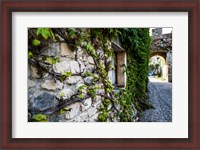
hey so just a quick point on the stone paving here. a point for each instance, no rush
(160, 96)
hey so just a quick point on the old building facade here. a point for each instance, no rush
(162, 46)
(49, 96)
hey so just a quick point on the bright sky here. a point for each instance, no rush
(164, 30)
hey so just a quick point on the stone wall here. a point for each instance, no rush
(162, 45)
(169, 63)
(46, 94)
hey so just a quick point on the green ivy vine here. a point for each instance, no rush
(137, 44)
(116, 106)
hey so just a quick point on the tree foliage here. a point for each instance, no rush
(137, 44)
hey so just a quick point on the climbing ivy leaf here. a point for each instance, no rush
(66, 109)
(112, 67)
(106, 102)
(88, 74)
(62, 94)
(36, 42)
(80, 95)
(82, 87)
(89, 47)
(72, 32)
(62, 111)
(39, 118)
(51, 60)
(30, 54)
(58, 60)
(67, 74)
(45, 33)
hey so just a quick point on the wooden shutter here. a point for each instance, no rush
(119, 69)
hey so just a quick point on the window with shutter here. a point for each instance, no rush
(118, 75)
(120, 70)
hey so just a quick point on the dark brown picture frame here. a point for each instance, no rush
(9, 6)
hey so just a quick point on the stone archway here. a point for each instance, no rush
(161, 45)
(160, 60)
(159, 53)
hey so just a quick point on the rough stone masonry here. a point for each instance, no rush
(46, 93)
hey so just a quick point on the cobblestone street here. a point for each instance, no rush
(160, 96)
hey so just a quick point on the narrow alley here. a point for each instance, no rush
(160, 96)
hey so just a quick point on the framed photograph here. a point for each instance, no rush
(100, 75)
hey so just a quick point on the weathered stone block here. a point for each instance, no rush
(65, 93)
(61, 67)
(74, 88)
(94, 118)
(82, 66)
(66, 51)
(86, 104)
(74, 66)
(97, 104)
(92, 111)
(66, 66)
(31, 93)
(90, 60)
(80, 83)
(84, 116)
(73, 79)
(100, 91)
(31, 83)
(52, 50)
(66, 59)
(52, 85)
(74, 111)
(76, 119)
(81, 54)
(34, 72)
(42, 101)
(89, 67)
(88, 79)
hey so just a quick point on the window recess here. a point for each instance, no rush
(118, 75)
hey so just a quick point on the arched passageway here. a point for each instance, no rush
(160, 78)
(158, 66)
(161, 54)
